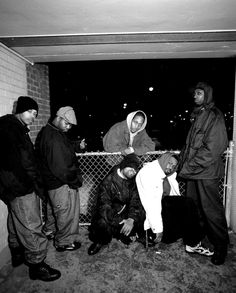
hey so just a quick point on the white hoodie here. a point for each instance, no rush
(149, 182)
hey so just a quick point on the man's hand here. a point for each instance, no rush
(128, 225)
(83, 144)
(129, 150)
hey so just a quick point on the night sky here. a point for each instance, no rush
(104, 92)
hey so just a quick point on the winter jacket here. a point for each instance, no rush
(58, 161)
(201, 158)
(117, 139)
(19, 173)
(118, 197)
(149, 182)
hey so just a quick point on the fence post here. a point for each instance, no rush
(228, 182)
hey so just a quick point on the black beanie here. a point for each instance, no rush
(131, 161)
(25, 103)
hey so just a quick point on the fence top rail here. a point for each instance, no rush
(119, 153)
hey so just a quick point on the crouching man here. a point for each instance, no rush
(118, 212)
(169, 216)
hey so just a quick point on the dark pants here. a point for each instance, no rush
(180, 220)
(205, 194)
(102, 231)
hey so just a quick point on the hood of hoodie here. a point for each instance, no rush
(163, 161)
(130, 118)
(208, 91)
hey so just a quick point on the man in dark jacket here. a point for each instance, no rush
(21, 189)
(62, 178)
(202, 166)
(118, 211)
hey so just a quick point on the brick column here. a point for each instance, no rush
(38, 89)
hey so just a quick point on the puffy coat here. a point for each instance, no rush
(19, 174)
(201, 158)
(118, 199)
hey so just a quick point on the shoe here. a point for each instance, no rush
(94, 248)
(218, 258)
(199, 249)
(43, 272)
(17, 256)
(69, 247)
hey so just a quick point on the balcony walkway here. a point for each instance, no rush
(118, 269)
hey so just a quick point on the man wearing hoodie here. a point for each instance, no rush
(202, 166)
(169, 216)
(129, 136)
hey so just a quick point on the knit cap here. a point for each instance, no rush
(68, 114)
(131, 161)
(25, 103)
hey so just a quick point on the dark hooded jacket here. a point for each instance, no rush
(118, 198)
(19, 173)
(201, 158)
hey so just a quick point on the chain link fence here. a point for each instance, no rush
(96, 166)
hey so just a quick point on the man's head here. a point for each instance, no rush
(202, 94)
(65, 118)
(168, 162)
(137, 122)
(26, 110)
(129, 166)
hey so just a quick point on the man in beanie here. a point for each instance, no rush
(21, 189)
(62, 178)
(169, 216)
(118, 212)
(202, 167)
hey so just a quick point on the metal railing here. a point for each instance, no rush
(96, 165)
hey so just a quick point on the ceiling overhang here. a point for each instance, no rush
(124, 46)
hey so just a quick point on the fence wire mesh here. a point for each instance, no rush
(96, 166)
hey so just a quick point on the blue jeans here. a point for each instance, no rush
(65, 203)
(25, 227)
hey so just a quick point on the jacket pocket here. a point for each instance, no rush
(197, 142)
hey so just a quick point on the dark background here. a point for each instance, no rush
(98, 90)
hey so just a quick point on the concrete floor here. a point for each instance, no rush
(120, 269)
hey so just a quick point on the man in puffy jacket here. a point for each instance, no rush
(202, 167)
(21, 189)
(129, 136)
(118, 212)
(62, 178)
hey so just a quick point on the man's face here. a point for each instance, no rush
(129, 172)
(199, 96)
(63, 125)
(171, 165)
(28, 116)
(136, 123)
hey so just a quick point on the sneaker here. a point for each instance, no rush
(199, 249)
(69, 247)
(43, 272)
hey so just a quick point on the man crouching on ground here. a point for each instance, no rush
(118, 212)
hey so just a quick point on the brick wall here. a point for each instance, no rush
(12, 85)
(38, 89)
